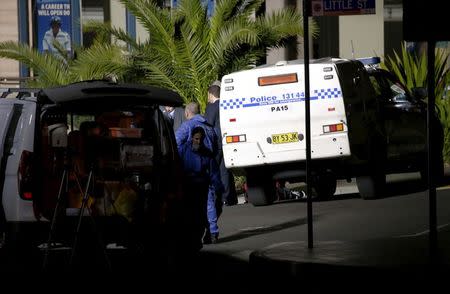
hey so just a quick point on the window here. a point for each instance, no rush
(397, 91)
(75, 120)
(376, 86)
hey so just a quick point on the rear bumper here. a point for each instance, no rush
(241, 155)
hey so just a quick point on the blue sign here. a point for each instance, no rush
(54, 21)
(342, 7)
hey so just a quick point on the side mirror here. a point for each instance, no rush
(419, 93)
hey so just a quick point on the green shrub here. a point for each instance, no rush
(239, 182)
(412, 71)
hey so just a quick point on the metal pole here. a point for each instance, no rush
(431, 181)
(130, 25)
(76, 23)
(307, 122)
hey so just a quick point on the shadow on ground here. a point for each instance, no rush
(264, 230)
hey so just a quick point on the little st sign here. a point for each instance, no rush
(342, 7)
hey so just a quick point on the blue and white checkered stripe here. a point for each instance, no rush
(232, 103)
(327, 93)
(318, 94)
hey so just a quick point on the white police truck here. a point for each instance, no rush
(364, 124)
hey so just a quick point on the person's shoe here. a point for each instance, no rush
(229, 203)
(214, 238)
(298, 195)
(207, 238)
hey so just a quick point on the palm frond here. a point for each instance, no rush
(247, 8)
(155, 20)
(50, 70)
(99, 61)
(232, 36)
(285, 23)
(104, 32)
(243, 61)
(158, 75)
(193, 14)
(227, 11)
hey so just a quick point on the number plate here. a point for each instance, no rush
(284, 138)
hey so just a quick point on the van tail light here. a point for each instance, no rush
(25, 176)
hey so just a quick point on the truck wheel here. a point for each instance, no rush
(371, 187)
(438, 168)
(260, 192)
(325, 185)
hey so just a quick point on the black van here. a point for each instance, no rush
(94, 161)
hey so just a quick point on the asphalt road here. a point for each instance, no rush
(345, 217)
(402, 213)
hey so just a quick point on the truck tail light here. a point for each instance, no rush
(25, 175)
(333, 128)
(236, 139)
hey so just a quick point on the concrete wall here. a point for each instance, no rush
(9, 30)
(118, 20)
(118, 15)
(282, 54)
(141, 33)
(365, 31)
(277, 54)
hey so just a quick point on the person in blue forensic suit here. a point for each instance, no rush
(214, 206)
(200, 172)
(194, 119)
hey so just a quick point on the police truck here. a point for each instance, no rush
(364, 124)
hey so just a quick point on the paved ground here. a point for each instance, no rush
(393, 261)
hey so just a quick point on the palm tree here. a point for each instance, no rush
(186, 51)
(97, 62)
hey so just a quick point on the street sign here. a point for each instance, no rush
(342, 7)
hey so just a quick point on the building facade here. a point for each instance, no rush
(9, 30)
(350, 36)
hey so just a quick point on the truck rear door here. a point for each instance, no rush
(262, 115)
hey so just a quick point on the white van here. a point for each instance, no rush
(104, 142)
(358, 114)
